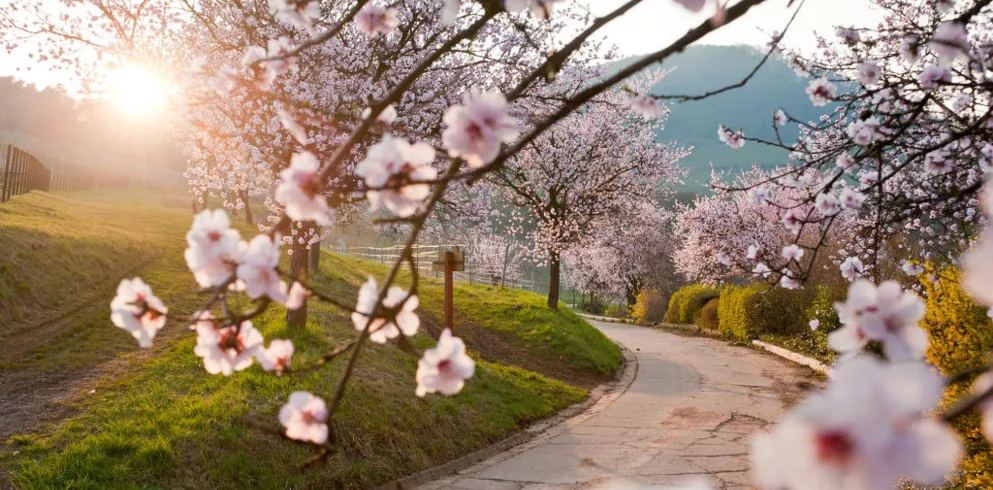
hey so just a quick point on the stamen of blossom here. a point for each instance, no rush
(444, 368)
(138, 311)
(299, 191)
(305, 417)
(478, 127)
(227, 349)
(393, 169)
(380, 330)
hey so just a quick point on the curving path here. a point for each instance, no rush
(687, 415)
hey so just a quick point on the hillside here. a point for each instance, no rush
(125, 417)
(703, 68)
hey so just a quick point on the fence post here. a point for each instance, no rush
(6, 175)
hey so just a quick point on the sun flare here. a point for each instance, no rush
(136, 90)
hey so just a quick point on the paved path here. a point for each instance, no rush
(688, 414)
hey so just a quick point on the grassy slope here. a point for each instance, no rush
(160, 420)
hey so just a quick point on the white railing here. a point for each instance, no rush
(424, 257)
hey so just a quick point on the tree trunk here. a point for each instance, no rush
(298, 268)
(314, 261)
(632, 295)
(249, 219)
(553, 281)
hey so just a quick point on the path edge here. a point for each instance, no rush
(795, 357)
(620, 384)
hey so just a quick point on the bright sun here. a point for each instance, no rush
(136, 90)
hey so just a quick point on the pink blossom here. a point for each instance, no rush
(692, 5)
(814, 324)
(228, 349)
(257, 271)
(848, 35)
(387, 116)
(761, 270)
(933, 75)
(138, 311)
(541, 9)
(444, 368)
(299, 14)
(478, 127)
(753, 252)
(393, 171)
(821, 91)
(885, 313)
(277, 356)
(305, 417)
(374, 20)
(380, 330)
(646, 106)
(851, 199)
(791, 221)
(910, 48)
(731, 138)
(792, 252)
(949, 42)
(827, 204)
(300, 191)
(297, 295)
(845, 161)
(851, 268)
(910, 268)
(869, 73)
(293, 127)
(781, 118)
(864, 132)
(212, 248)
(788, 282)
(866, 431)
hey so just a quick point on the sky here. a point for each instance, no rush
(656, 23)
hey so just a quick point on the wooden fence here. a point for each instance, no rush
(424, 255)
(22, 172)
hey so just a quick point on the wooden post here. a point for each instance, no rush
(6, 175)
(449, 292)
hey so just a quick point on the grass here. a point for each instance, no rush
(810, 344)
(158, 420)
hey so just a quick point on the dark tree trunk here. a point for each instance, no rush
(298, 268)
(553, 281)
(632, 296)
(314, 261)
(249, 219)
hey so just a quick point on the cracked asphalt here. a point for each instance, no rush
(687, 415)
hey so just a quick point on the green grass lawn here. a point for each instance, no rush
(157, 419)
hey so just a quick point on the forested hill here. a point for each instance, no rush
(703, 68)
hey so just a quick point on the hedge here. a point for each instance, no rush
(649, 308)
(708, 317)
(687, 301)
(960, 333)
(745, 312)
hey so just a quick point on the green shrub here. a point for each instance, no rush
(688, 301)
(649, 308)
(960, 333)
(745, 312)
(707, 317)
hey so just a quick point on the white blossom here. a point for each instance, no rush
(827, 204)
(932, 75)
(885, 313)
(851, 199)
(731, 138)
(212, 248)
(299, 14)
(949, 42)
(869, 73)
(381, 330)
(814, 324)
(305, 417)
(227, 349)
(792, 252)
(277, 356)
(138, 311)
(257, 271)
(393, 171)
(864, 132)
(300, 191)
(910, 268)
(387, 116)
(445, 367)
